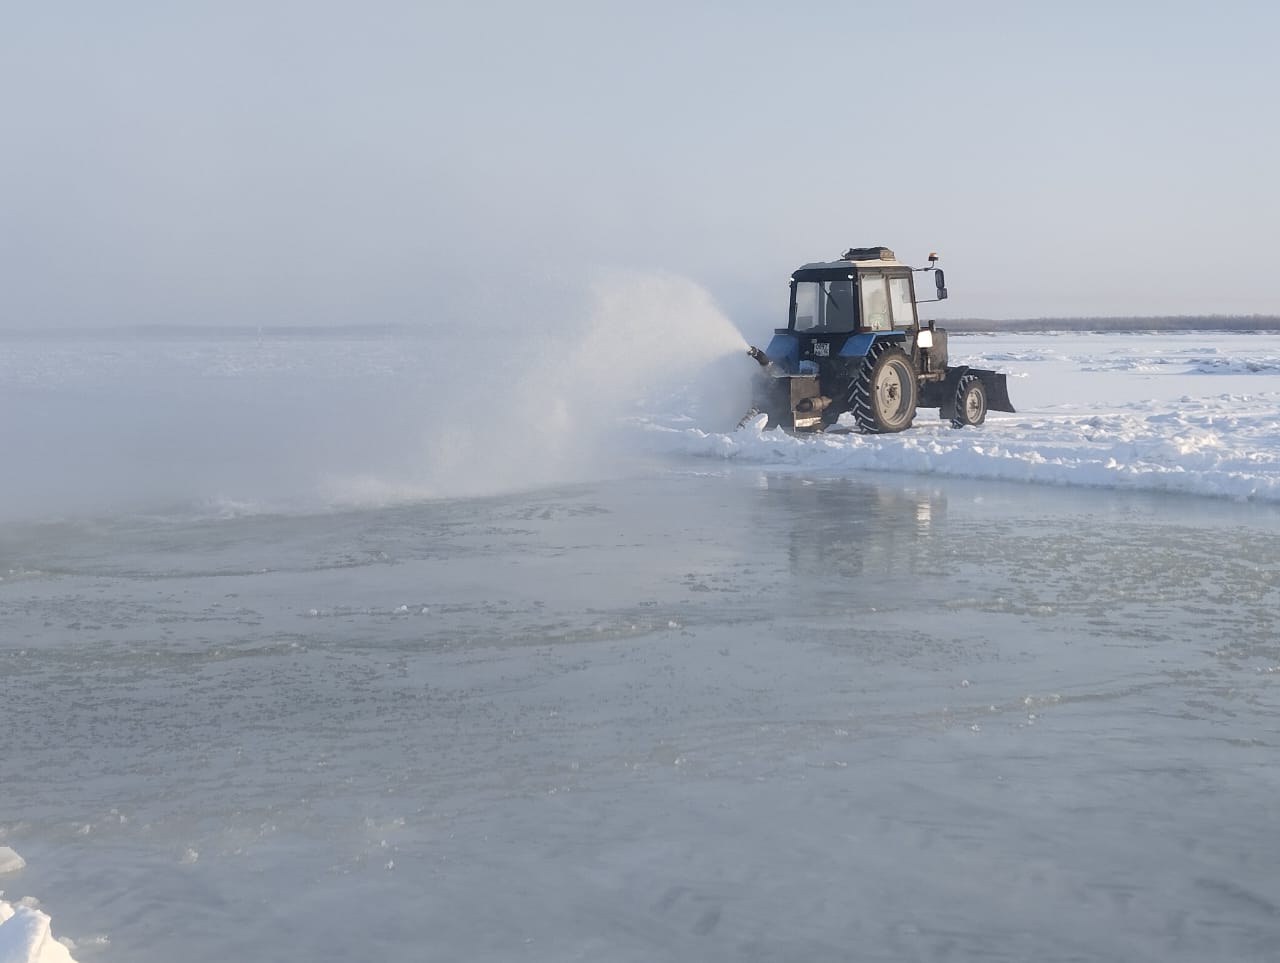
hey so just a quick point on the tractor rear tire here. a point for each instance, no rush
(884, 393)
(971, 402)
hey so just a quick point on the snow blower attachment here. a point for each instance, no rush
(853, 343)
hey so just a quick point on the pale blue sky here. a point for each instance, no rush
(313, 162)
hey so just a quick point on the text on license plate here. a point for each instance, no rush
(821, 349)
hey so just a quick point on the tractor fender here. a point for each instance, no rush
(860, 344)
(784, 351)
(943, 393)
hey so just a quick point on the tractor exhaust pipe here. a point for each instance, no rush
(815, 405)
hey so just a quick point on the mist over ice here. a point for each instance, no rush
(526, 390)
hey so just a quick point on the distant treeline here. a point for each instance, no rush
(1181, 322)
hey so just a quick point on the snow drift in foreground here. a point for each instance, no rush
(25, 933)
(1103, 411)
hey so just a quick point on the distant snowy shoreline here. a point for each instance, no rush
(1181, 323)
(184, 332)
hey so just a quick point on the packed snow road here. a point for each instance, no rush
(1167, 411)
(735, 698)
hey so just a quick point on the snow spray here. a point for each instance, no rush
(547, 404)
(537, 385)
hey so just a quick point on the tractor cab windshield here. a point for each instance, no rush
(824, 306)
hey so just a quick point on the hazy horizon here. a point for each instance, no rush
(963, 324)
(397, 163)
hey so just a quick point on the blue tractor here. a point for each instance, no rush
(854, 343)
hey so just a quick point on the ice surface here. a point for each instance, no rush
(722, 696)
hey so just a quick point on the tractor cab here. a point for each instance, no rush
(866, 290)
(838, 308)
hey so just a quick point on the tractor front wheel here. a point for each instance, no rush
(883, 397)
(971, 402)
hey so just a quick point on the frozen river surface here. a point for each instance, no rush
(306, 654)
(695, 715)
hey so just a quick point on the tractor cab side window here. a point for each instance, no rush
(875, 303)
(806, 316)
(904, 309)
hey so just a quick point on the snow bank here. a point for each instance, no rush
(1088, 418)
(26, 935)
(1199, 452)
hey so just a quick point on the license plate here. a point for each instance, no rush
(821, 349)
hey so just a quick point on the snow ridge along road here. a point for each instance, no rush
(1194, 413)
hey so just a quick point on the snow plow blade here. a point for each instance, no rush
(997, 386)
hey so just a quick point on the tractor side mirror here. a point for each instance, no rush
(940, 280)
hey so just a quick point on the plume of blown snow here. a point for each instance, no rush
(544, 405)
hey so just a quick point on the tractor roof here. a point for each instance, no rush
(838, 265)
(857, 257)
